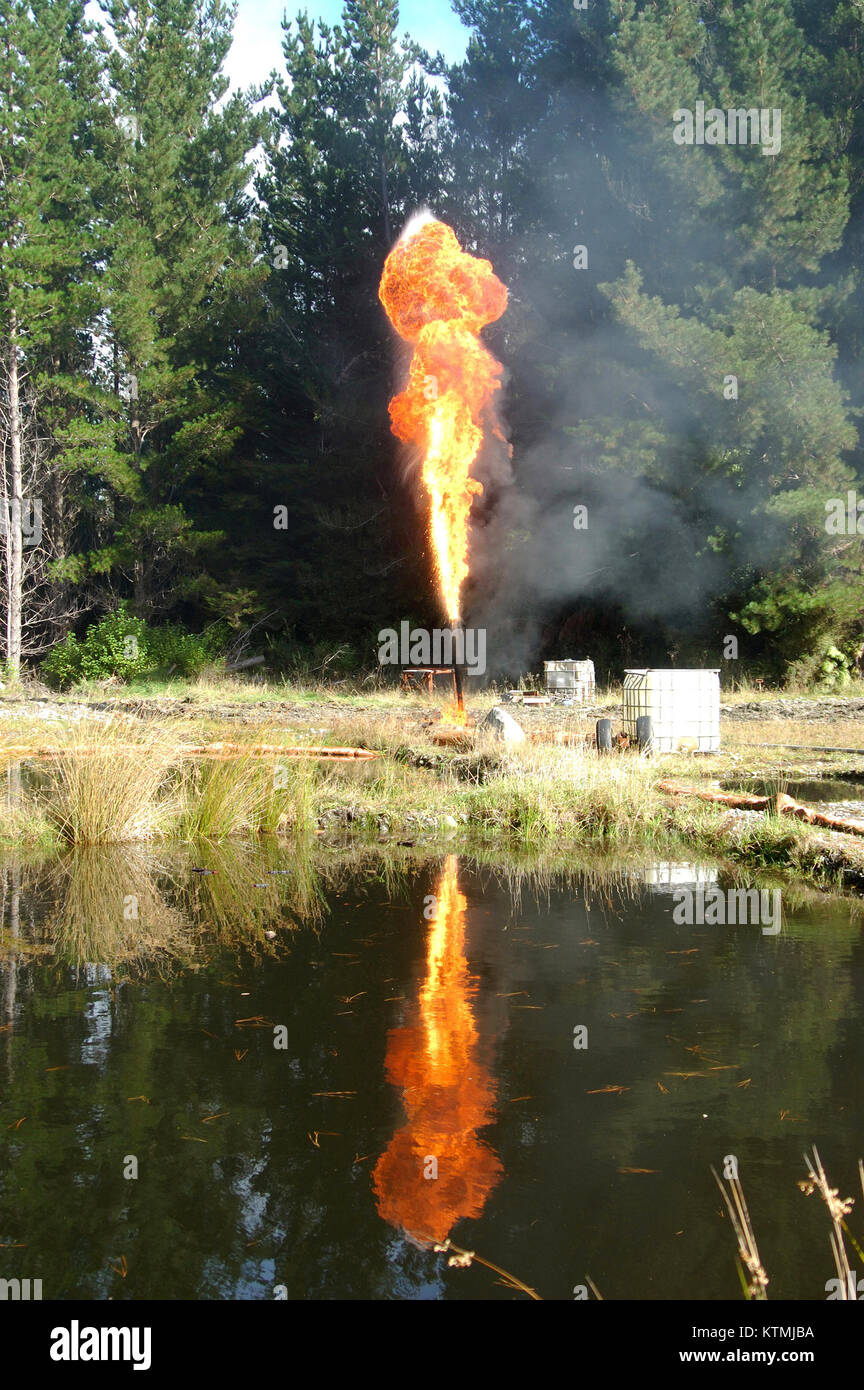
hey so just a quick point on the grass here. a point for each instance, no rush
(109, 794)
(375, 688)
(128, 781)
(26, 826)
(138, 785)
(780, 734)
(210, 687)
(247, 794)
(546, 791)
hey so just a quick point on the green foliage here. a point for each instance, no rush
(112, 647)
(354, 151)
(123, 646)
(199, 360)
(835, 669)
(162, 420)
(171, 649)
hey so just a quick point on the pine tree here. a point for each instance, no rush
(354, 153)
(694, 265)
(164, 415)
(760, 460)
(49, 82)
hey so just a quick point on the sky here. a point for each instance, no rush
(257, 46)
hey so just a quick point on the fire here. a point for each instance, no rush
(456, 715)
(447, 1093)
(439, 298)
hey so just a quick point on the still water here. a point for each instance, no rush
(280, 1078)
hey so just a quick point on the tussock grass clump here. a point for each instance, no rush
(541, 791)
(219, 797)
(288, 795)
(108, 794)
(245, 793)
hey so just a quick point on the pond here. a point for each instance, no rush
(251, 1074)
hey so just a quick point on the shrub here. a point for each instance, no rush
(834, 670)
(115, 646)
(187, 652)
(124, 646)
(827, 668)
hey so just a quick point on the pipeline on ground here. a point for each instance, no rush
(781, 803)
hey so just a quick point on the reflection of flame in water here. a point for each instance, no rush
(446, 1092)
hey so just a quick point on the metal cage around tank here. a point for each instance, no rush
(570, 679)
(683, 706)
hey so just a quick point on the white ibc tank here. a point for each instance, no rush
(575, 677)
(683, 706)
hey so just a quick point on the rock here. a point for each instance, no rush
(500, 723)
(450, 822)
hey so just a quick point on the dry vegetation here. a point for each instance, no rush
(751, 1270)
(130, 779)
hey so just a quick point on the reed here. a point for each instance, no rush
(751, 1271)
(838, 1209)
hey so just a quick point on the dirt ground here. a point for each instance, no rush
(771, 736)
(410, 709)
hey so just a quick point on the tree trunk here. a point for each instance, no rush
(13, 515)
(382, 163)
(385, 201)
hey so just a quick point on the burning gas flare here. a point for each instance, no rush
(447, 1092)
(439, 298)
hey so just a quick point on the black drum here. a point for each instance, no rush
(644, 733)
(604, 735)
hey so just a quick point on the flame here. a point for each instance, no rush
(447, 1093)
(456, 715)
(439, 298)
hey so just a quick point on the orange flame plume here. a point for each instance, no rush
(438, 298)
(447, 1093)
